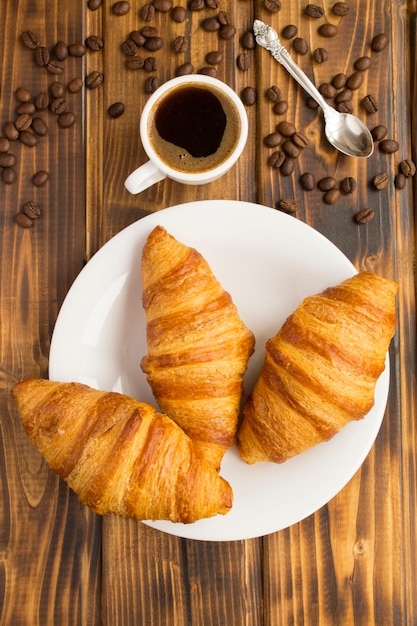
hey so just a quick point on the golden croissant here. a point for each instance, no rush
(320, 369)
(119, 455)
(198, 347)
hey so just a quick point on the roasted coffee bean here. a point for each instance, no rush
(121, 8)
(344, 107)
(41, 56)
(313, 10)
(152, 44)
(135, 63)
(137, 37)
(28, 138)
(22, 94)
(328, 30)
(300, 45)
(320, 55)
(288, 166)
(180, 44)
(307, 181)
(58, 106)
(29, 39)
(243, 61)
(345, 95)
(26, 107)
(299, 140)
(408, 168)
(40, 178)
(61, 51)
(327, 90)
(23, 220)
(8, 175)
(355, 80)
(150, 64)
(151, 84)
(116, 109)
(247, 40)
(379, 132)
(94, 79)
(55, 67)
(400, 180)
(184, 69)
(379, 42)
(147, 12)
(75, 85)
(276, 159)
(223, 18)
(128, 47)
(227, 31)
(211, 24)
(369, 104)
(248, 96)
(208, 70)
(42, 101)
(93, 5)
(212, 4)
(340, 8)
(39, 127)
(178, 14)
(32, 210)
(148, 31)
(66, 119)
(381, 181)
(77, 49)
(331, 196)
(327, 183)
(7, 159)
(273, 6)
(290, 149)
(56, 89)
(214, 57)
(362, 64)
(10, 131)
(95, 43)
(280, 107)
(23, 121)
(339, 80)
(364, 215)
(197, 5)
(274, 93)
(162, 6)
(389, 146)
(288, 205)
(286, 129)
(348, 185)
(273, 140)
(4, 144)
(289, 31)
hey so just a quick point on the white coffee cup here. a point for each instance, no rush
(182, 166)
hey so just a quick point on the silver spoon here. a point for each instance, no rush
(344, 131)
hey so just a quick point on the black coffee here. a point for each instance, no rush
(194, 128)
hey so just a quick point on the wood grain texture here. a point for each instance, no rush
(353, 562)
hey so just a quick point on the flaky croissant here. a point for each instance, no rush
(119, 455)
(198, 347)
(320, 369)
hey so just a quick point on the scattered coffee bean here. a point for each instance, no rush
(58, 106)
(212, 4)
(23, 220)
(290, 149)
(286, 129)
(22, 94)
(77, 49)
(94, 79)
(364, 215)
(379, 42)
(29, 39)
(128, 47)
(327, 183)
(55, 67)
(41, 56)
(208, 70)
(180, 44)
(248, 96)
(121, 8)
(135, 63)
(4, 144)
(147, 12)
(299, 140)
(400, 180)
(116, 109)
(381, 181)
(227, 31)
(184, 69)
(331, 196)
(152, 44)
(340, 8)
(32, 210)
(8, 175)
(197, 5)
(137, 37)
(327, 90)
(75, 85)
(93, 5)
(10, 131)
(273, 140)
(162, 6)
(40, 178)
(389, 146)
(56, 89)
(345, 95)
(178, 14)
(274, 93)
(151, 84)
(320, 55)
(362, 64)
(23, 121)
(281, 107)
(307, 181)
(211, 24)
(355, 80)
(288, 205)
(39, 126)
(148, 31)
(42, 101)
(7, 159)
(369, 104)
(339, 80)
(66, 119)
(61, 51)
(214, 57)
(247, 40)
(95, 43)
(344, 107)
(289, 31)
(328, 30)
(243, 61)
(273, 6)
(379, 132)
(150, 64)
(300, 45)
(26, 107)
(28, 138)
(287, 167)
(276, 159)
(408, 168)
(348, 185)
(313, 10)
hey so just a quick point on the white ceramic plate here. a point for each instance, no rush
(269, 262)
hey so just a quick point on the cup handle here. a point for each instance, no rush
(143, 177)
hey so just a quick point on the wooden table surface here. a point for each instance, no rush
(354, 561)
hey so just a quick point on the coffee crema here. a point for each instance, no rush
(194, 128)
